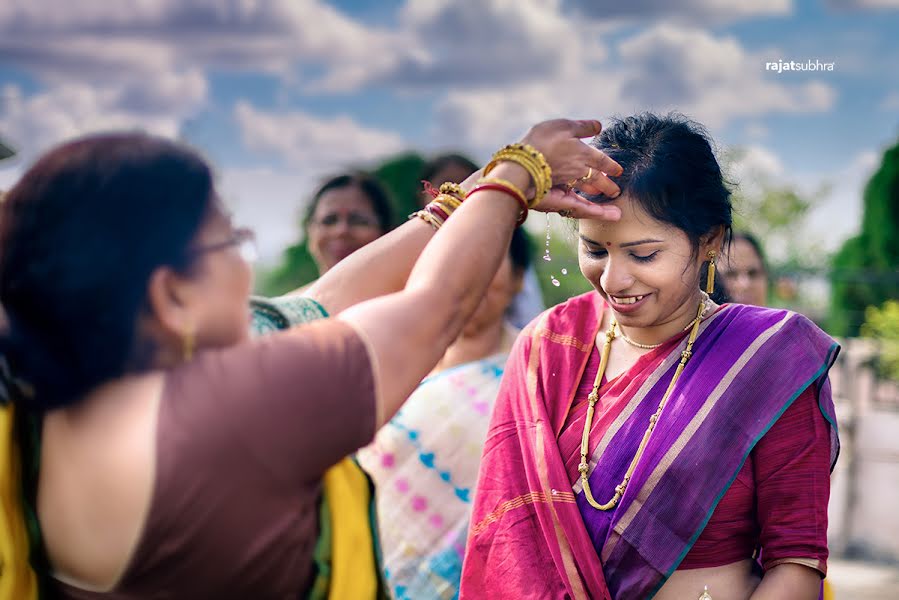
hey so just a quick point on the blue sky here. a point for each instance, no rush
(279, 92)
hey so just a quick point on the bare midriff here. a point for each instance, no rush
(734, 581)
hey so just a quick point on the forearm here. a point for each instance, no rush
(381, 267)
(445, 286)
(462, 272)
(377, 269)
(789, 581)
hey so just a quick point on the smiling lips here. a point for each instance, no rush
(627, 300)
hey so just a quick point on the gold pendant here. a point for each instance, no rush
(705, 594)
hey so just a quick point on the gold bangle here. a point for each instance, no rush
(428, 217)
(447, 201)
(530, 158)
(452, 189)
(531, 169)
(514, 188)
(533, 162)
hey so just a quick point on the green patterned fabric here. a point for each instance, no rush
(273, 314)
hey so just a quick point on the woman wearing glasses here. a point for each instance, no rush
(178, 457)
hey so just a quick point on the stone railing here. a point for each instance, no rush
(864, 498)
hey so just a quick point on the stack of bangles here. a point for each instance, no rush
(450, 195)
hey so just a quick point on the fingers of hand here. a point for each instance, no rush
(600, 183)
(584, 209)
(585, 128)
(599, 160)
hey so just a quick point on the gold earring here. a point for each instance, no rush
(188, 342)
(710, 281)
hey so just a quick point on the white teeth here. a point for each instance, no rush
(630, 300)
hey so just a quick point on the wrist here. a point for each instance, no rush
(513, 173)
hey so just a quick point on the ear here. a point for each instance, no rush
(168, 295)
(712, 241)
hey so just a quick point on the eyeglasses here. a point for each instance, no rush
(243, 238)
(353, 220)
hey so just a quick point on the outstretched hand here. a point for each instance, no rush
(573, 162)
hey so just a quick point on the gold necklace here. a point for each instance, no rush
(593, 398)
(706, 306)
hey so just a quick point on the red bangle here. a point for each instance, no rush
(498, 187)
(434, 207)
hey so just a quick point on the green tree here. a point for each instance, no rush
(400, 175)
(774, 211)
(882, 324)
(866, 269)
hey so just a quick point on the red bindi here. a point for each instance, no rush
(608, 244)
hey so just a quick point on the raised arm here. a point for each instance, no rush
(383, 266)
(409, 331)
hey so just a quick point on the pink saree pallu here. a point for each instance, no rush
(533, 534)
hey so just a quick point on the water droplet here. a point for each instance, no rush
(564, 271)
(555, 281)
(546, 255)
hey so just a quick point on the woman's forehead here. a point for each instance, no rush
(634, 221)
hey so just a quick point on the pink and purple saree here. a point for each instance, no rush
(532, 533)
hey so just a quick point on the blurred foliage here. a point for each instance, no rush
(882, 324)
(866, 268)
(295, 270)
(399, 174)
(774, 212)
(563, 255)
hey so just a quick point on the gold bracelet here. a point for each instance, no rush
(530, 158)
(428, 217)
(514, 188)
(533, 162)
(447, 201)
(523, 160)
(452, 189)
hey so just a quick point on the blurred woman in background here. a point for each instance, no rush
(744, 271)
(347, 212)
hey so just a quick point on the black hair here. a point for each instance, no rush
(370, 186)
(670, 169)
(439, 163)
(80, 235)
(520, 250)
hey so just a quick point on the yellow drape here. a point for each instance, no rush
(353, 566)
(17, 579)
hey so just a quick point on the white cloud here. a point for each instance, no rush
(10, 171)
(270, 201)
(110, 38)
(757, 130)
(863, 4)
(443, 43)
(705, 11)
(310, 142)
(36, 122)
(751, 165)
(710, 78)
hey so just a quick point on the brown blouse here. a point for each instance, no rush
(243, 438)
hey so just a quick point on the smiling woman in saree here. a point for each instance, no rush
(647, 442)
